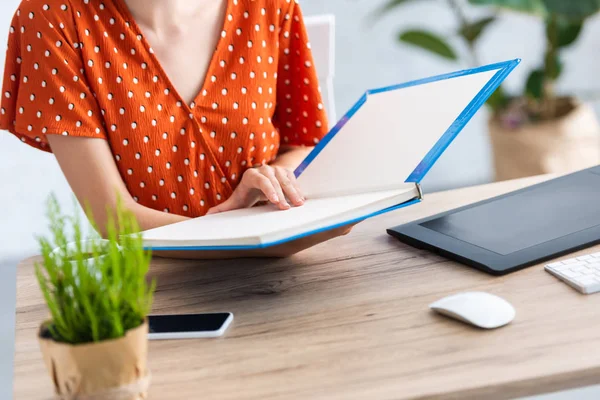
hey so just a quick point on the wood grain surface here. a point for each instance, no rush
(349, 319)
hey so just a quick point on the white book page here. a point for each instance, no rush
(381, 145)
(248, 226)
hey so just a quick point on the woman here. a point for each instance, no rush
(179, 107)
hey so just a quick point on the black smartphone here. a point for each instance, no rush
(187, 326)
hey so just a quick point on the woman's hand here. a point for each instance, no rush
(264, 183)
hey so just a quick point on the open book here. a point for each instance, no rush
(371, 162)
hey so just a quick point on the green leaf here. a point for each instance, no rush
(498, 100)
(535, 84)
(574, 9)
(526, 6)
(428, 41)
(473, 30)
(567, 31)
(553, 65)
(389, 6)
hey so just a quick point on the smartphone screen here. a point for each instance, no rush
(188, 325)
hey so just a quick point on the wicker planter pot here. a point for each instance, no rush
(567, 144)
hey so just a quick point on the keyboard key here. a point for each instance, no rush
(561, 268)
(571, 261)
(584, 258)
(570, 274)
(595, 255)
(555, 264)
(580, 268)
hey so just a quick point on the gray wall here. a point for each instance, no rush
(367, 57)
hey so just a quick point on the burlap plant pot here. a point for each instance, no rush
(113, 369)
(564, 145)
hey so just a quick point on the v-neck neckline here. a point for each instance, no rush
(124, 8)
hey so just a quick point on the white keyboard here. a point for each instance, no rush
(582, 273)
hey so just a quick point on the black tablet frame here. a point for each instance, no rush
(419, 236)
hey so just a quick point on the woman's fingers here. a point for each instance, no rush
(292, 178)
(269, 173)
(289, 186)
(244, 195)
(258, 179)
(232, 203)
(276, 184)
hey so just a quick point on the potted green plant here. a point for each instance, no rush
(95, 343)
(539, 130)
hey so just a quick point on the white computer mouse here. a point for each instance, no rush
(480, 309)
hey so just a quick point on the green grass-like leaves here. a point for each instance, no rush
(98, 299)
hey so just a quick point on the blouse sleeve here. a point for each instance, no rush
(44, 89)
(299, 115)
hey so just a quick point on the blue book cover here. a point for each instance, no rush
(370, 163)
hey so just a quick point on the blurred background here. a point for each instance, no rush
(369, 54)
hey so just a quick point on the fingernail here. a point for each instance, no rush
(274, 198)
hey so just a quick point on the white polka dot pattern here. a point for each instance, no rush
(83, 68)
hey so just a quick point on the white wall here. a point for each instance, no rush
(367, 57)
(27, 176)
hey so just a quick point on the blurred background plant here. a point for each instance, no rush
(564, 21)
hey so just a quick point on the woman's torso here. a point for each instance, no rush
(185, 157)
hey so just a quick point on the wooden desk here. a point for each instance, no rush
(349, 319)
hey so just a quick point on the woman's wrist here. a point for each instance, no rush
(149, 218)
(291, 158)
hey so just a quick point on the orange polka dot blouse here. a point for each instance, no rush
(83, 68)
